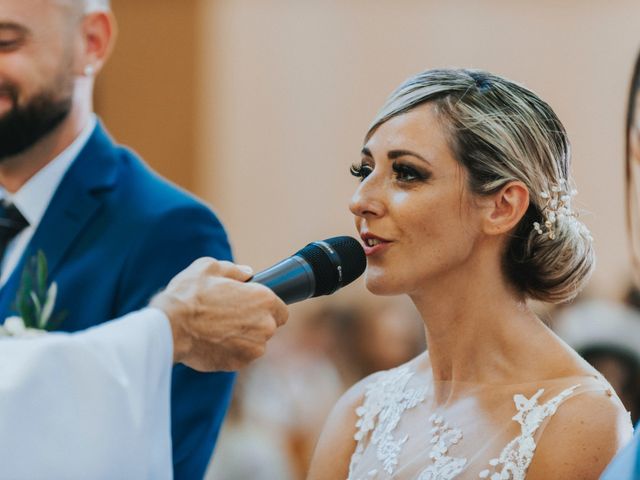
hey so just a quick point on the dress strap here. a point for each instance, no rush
(515, 458)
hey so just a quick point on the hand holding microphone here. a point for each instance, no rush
(218, 322)
(221, 317)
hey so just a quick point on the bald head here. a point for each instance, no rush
(91, 5)
(86, 6)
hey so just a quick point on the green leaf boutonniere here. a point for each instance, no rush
(36, 298)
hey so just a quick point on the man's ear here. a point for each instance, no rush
(98, 32)
(506, 208)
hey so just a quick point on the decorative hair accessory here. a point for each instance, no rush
(557, 208)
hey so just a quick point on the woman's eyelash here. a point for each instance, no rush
(10, 43)
(360, 170)
(405, 173)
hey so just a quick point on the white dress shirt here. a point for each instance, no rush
(34, 196)
(88, 405)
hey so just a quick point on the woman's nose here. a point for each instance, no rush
(367, 200)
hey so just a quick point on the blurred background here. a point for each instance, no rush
(259, 107)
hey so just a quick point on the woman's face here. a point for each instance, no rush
(417, 220)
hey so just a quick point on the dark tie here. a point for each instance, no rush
(11, 224)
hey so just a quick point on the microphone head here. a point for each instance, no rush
(335, 262)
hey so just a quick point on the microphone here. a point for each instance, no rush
(320, 268)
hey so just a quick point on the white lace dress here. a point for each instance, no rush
(474, 431)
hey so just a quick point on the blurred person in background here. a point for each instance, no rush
(241, 433)
(112, 231)
(379, 335)
(626, 466)
(292, 390)
(607, 335)
(465, 205)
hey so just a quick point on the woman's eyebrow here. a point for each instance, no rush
(366, 152)
(393, 154)
(13, 27)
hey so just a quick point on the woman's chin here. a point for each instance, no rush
(380, 284)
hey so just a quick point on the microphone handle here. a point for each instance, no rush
(292, 279)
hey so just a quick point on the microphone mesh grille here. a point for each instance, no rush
(352, 260)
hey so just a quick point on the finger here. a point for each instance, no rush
(207, 265)
(276, 307)
(269, 328)
(230, 270)
(280, 312)
(246, 351)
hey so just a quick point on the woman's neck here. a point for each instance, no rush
(476, 327)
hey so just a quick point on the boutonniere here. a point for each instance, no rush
(35, 302)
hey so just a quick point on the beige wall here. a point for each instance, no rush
(259, 106)
(146, 93)
(288, 88)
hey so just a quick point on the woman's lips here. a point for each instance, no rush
(380, 247)
(374, 245)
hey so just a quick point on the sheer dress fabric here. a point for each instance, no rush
(472, 431)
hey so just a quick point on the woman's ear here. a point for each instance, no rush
(506, 208)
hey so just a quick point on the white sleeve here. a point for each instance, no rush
(94, 404)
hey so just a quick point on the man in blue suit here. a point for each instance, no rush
(112, 231)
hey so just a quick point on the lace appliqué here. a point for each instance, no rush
(516, 457)
(385, 401)
(444, 467)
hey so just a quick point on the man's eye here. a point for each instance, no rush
(361, 170)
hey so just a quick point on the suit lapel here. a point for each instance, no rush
(74, 203)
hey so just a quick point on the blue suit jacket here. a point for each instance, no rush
(114, 234)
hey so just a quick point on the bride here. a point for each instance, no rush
(465, 204)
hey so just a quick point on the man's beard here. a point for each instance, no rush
(23, 126)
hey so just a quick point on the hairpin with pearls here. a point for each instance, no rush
(557, 207)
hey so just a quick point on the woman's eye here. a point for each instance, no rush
(9, 44)
(361, 170)
(406, 173)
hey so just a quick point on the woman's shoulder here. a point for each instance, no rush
(584, 433)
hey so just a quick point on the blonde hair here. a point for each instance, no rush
(500, 132)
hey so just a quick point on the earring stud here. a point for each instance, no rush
(89, 70)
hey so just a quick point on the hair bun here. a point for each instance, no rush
(554, 269)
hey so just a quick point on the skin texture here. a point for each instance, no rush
(45, 46)
(218, 322)
(445, 253)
